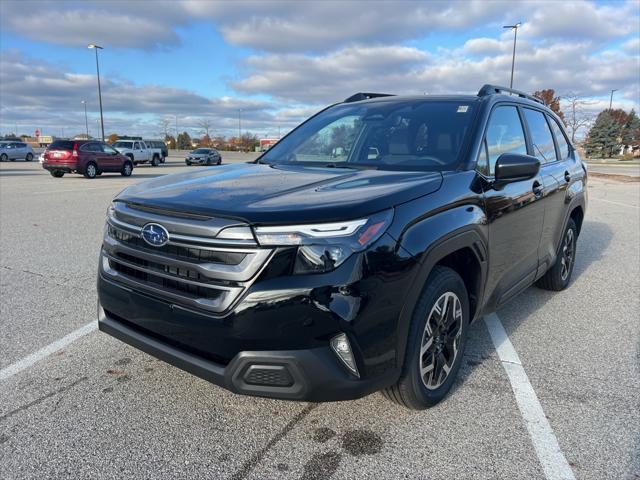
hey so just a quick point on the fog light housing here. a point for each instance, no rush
(342, 348)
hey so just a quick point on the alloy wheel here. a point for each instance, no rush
(91, 171)
(567, 254)
(441, 340)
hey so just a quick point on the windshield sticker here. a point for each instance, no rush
(463, 108)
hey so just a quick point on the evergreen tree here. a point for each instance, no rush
(631, 130)
(184, 141)
(603, 137)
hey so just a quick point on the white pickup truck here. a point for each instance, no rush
(139, 152)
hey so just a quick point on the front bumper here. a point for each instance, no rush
(311, 375)
(200, 160)
(281, 323)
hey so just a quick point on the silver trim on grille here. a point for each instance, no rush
(241, 272)
(193, 269)
(183, 240)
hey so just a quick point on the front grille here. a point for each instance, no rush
(177, 252)
(175, 286)
(197, 271)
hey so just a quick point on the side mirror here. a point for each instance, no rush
(514, 167)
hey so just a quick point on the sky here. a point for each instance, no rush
(274, 63)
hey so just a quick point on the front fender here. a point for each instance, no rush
(432, 239)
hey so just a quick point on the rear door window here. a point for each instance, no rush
(541, 138)
(504, 135)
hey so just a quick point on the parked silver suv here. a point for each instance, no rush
(12, 150)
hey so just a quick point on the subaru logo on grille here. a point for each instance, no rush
(155, 235)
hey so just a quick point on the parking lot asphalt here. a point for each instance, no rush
(98, 408)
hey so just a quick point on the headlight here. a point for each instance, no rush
(324, 246)
(111, 210)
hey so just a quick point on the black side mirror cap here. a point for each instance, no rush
(515, 167)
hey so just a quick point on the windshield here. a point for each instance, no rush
(122, 144)
(201, 150)
(402, 135)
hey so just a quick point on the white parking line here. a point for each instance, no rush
(35, 357)
(554, 465)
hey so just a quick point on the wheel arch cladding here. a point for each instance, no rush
(464, 252)
(577, 215)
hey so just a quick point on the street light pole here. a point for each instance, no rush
(86, 121)
(515, 38)
(239, 126)
(96, 48)
(611, 98)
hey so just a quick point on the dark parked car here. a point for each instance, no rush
(353, 255)
(86, 157)
(204, 156)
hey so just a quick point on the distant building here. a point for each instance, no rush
(40, 141)
(267, 143)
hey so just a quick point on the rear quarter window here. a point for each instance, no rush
(563, 146)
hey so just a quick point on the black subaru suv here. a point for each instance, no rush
(353, 255)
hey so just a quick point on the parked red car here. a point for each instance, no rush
(87, 157)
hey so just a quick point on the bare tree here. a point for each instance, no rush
(576, 115)
(205, 125)
(165, 127)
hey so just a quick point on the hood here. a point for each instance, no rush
(263, 194)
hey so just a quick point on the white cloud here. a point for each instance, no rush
(331, 77)
(308, 54)
(285, 26)
(41, 94)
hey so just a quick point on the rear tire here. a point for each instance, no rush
(4, 157)
(127, 169)
(558, 277)
(436, 341)
(57, 174)
(188, 164)
(29, 157)
(155, 161)
(91, 170)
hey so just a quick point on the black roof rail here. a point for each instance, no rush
(494, 89)
(356, 97)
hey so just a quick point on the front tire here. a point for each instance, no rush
(435, 346)
(127, 169)
(29, 157)
(4, 157)
(558, 277)
(91, 170)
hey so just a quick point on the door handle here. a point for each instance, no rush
(537, 188)
(567, 176)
